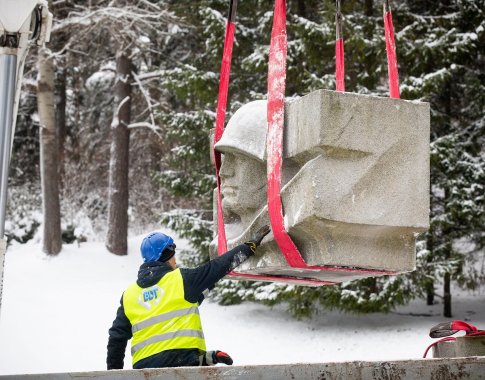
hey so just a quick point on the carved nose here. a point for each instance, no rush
(227, 168)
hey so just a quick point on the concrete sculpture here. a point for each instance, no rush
(355, 184)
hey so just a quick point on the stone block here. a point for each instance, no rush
(462, 346)
(470, 346)
(355, 188)
(444, 349)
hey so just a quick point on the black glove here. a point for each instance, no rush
(258, 236)
(215, 357)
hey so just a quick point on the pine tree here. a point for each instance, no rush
(429, 70)
(86, 37)
(444, 63)
(193, 81)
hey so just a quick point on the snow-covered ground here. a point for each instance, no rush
(56, 313)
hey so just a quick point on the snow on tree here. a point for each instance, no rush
(442, 64)
(173, 101)
(435, 47)
(126, 38)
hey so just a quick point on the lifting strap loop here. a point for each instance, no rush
(274, 139)
(274, 144)
(391, 52)
(276, 104)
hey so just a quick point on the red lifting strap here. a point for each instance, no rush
(391, 53)
(274, 139)
(461, 325)
(221, 117)
(339, 52)
(390, 49)
(274, 144)
(447, 339)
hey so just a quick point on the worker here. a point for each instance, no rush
(160, 311)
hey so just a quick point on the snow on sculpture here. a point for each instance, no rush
(355, 184)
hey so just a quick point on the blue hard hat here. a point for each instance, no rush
(153, 245)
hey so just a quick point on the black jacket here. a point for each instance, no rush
(196, 281)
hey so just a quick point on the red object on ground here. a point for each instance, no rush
(391, 55)
(451, 328)
(461, 325)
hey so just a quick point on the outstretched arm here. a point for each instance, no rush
(204, 277)
(198, 279)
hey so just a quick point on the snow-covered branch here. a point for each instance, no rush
(146, 96)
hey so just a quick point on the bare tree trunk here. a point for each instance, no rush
(430, 280)
(116, 241)
(302, 8)
(369, 8)
(447, 256)
(49, 155)
(447, 296)
(61, 119)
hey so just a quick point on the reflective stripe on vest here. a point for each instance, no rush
(164, 317)
(165, 337)
(161, 318)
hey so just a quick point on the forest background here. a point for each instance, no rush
(133, 86)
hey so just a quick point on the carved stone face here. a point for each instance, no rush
(243, 184)
(355, 184)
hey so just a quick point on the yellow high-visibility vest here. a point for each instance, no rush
(161, 318)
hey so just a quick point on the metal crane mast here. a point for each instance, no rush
(23, 23)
